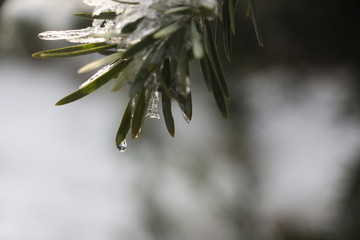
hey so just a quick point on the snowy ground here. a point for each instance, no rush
(305, 143)
(61, 176)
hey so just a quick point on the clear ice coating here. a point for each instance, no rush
(98, 74)
(65, 35)
(104, 5)
(122, 146)
(153, 106)
(127, 11)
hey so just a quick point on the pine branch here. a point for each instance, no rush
(149, 45)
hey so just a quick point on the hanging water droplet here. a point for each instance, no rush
(122, 146)
(153, 107)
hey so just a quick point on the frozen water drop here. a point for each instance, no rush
(153, 107)
(122, 146)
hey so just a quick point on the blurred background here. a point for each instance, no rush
(285, 165)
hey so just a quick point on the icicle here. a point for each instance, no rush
(153, 107)
(64, 35)
(88, 40)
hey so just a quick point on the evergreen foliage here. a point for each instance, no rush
(149, 45)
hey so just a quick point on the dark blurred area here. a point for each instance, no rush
(303, 35)
(300, 32)
(306, 73)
